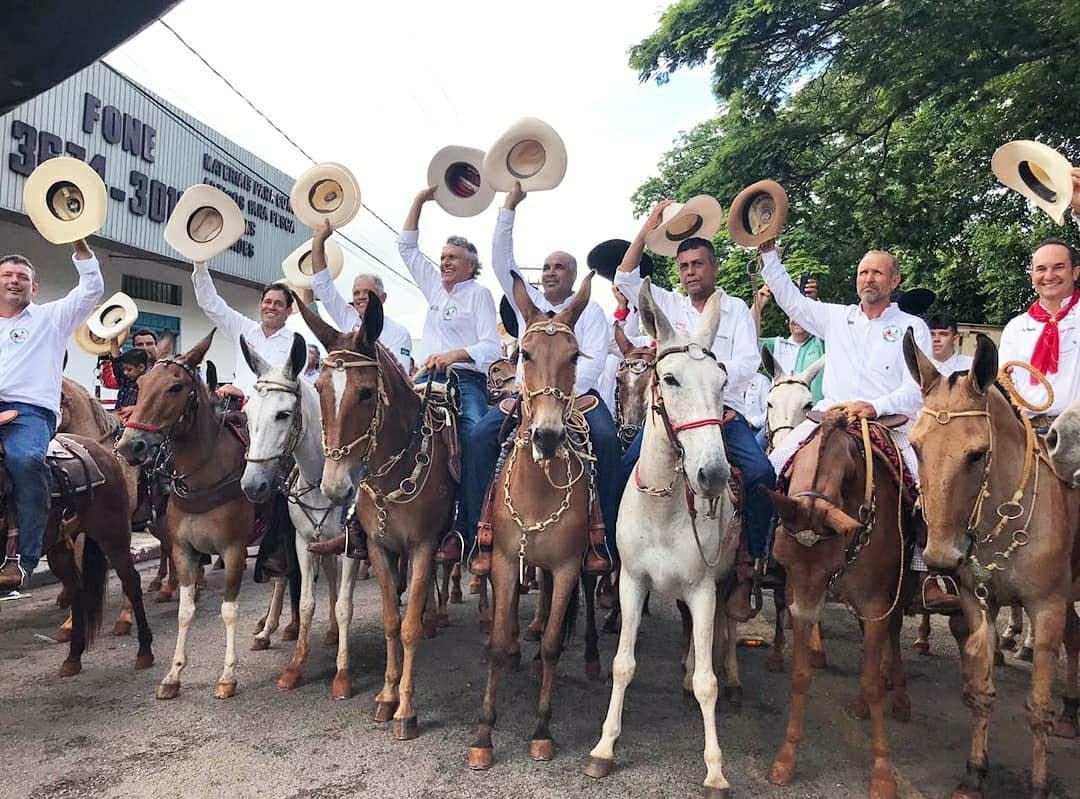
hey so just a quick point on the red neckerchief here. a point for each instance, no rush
(1047, 350)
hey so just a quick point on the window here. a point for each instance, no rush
(143, 288)
(160, 324)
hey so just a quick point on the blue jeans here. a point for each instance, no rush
(743, 451)
(484, 448)
(25, 442)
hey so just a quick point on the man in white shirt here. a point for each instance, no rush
(460, 332)
(944, 339)
(349, 316)
(736, 348)
(557, 278)
(1047, 335)
(314, 363)
(32, 342)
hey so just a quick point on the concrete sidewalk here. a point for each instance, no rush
(144, 547)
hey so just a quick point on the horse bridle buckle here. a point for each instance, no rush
(942, 417)
(807, 537)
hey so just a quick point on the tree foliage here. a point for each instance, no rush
(880, 118)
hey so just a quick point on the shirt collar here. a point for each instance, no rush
(461, 285)
(29, 310)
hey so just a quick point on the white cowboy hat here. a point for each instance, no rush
(530, 151)
(205, 222)
(758, 213)
(297, 267)
(95, 345)
(1040, 173)
(699, 217)
(113, 316)
(327, 191)
(65, 199)
(456, 172)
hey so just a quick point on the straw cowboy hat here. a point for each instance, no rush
(95, 345)
(113, 317)
(1040, 173)
(327, 191)
(297, 267)
(698, 217)
(605, 257)
(205, 222)
(456, 172)
(530, 151)
(65, 199)
(758, 213)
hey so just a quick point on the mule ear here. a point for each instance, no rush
(297, 357)
(624, 342)
(984, 366)
(373, 319)
(705, 335)
(920, 367)
(255, 362)
(652, 318)
(211, 375)
(195, 355)
(808, 374)
(774, 370)
(571, 313)
(326, 333)
(786, 507)
(523, 301)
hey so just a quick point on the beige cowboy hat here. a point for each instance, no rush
(758, 213)
(65, 199)
(297, 267)
(457, 174)
(698, 217)
(93, 344)
(1040, 173)
(113, 317)
(530, 151)
(205, 222)
(327, 191)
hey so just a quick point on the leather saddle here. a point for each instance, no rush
(445, 399)
(891, 421)
(73, 468)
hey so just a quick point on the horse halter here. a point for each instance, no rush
(296, 427)
(190, 406)
(548, 328)
(340, 360)
(635, 366)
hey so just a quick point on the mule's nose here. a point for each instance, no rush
(942, 557)
(712, 481)
(257, 492)
(136, 452)
(546, 440)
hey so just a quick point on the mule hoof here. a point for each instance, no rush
(442, 619)
(1026, 654)
(717, 793)
(1065, 728)
(291, 631)
(259, 626)
(289, 679)
(782, 772)
(532, 635)
(734, 696)
(161, 597)
(144, 661)
(922, 647)
(260, 644)
(818, 660)
(341, 688)
(225, 690)
(405, 729)
(542, 749)
(384, 711)
(999, 657)
(901, 708)
(331, 637)
(536, 668)
(592, 671)
(599, 767)
(69, 668)
(121, 628)
(455, 596)
(775, 662)
(155, 585)
(883, 787)
(168, 690)
(63, 635)
(481, 757)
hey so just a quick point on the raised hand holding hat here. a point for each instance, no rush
(65, 199)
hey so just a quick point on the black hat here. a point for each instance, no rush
(509, 318)
(914, 301)
(606, 256)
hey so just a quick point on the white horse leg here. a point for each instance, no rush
(290, 678)
(342, 686)
(226, 686)
(631, 599)
(273, 614)
(702, 604)
(170, 686)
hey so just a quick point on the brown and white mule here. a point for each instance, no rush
(207, 513)
(541, 517)
(385, 443)
(998, 515)
(840, 530)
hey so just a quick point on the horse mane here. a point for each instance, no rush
(1004, 392)
(835, 420)
(105, 421)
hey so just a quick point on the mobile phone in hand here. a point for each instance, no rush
(803, 278)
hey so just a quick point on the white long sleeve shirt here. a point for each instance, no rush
(736, 338)
(591, 328)
(274, 348)
(393, 336)
(1018, 342)
(463, 318)
(32, 343)
(757, 400)
(866, 356)
(954, 363)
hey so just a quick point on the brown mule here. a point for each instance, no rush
(385, 443)
(501, 379)
(1000, 517)
(541, 518)
(101, 515)
(208, 513)
(839, 528)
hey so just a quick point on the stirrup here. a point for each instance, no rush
(940, 581)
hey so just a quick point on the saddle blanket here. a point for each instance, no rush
(73, 468)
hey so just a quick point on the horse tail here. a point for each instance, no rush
(95, 576)
(569, 622)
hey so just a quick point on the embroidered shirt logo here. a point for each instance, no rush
(449, 312)
(19, 335)
(891, 334)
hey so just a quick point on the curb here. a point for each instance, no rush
(140, 554)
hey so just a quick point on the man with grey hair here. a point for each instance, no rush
(349, 316)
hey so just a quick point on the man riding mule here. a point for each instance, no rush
(32, 342)
(736, 348)
(591, 332)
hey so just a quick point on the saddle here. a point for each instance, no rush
(891, 421)
(74, 470)
(444, 401)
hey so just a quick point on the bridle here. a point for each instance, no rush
(340, 360)
(495, 384)
(548, 328)
(264, 386)
(770, 431)
(628, 432)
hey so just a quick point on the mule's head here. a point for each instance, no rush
(1063, 443)
(169, 397)
(790, 398)
(953, 449)
(549, 354)
(690, 385)
(352, 398)
(502, 379)
(275, 417)
(632, 380)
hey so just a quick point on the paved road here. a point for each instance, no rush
(102, 733)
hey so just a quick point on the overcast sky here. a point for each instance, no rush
(382, 87)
